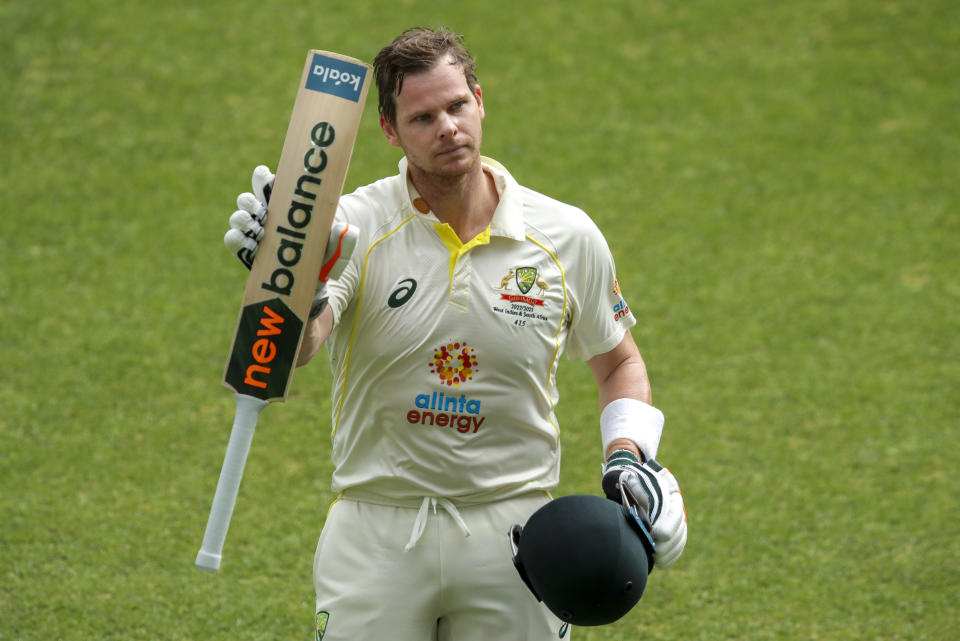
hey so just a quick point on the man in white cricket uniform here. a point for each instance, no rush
(445, 332)
(445, 357)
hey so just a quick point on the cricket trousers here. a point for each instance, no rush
(435, 572)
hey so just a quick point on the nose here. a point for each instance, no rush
(446, 126)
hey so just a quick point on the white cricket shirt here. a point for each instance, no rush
(445, 355)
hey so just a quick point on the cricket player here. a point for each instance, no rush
(445, 331)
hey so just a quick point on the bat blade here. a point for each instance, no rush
(283, 278)
(310, 177)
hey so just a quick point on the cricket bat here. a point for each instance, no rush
(283, 278)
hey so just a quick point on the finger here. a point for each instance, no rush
(262, 182)
(672, 518)
(655, 496)
(670, 550)
(249, 203)
(245, 223)
(236, 241)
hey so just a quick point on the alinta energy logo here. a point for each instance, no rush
(621, 309)
(453, 363)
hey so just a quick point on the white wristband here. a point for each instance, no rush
(629, 418)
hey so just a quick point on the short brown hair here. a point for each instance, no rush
(414, 51)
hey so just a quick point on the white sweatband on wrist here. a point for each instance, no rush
(635, 420)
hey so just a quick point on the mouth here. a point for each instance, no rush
(453, 151)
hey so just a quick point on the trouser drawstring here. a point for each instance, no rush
(420, 523)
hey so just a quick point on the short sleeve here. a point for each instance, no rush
(601, 315)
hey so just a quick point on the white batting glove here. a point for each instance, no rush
(246, 224)
(340, 246)
(654, 486)
(246, 231)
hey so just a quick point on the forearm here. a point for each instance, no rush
(628, 420)
(628, 380)
(315, 334)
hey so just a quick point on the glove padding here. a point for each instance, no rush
(246, 231)
(654, 487)
(246, 224)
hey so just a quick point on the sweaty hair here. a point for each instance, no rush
(415, 51)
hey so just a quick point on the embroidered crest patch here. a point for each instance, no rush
(322, 619)
(526, 277)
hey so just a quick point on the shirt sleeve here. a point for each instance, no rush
(600, 316)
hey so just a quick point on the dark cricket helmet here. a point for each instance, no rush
(585, 557)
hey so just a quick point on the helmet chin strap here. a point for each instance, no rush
(515, 532)
(635, 500)
(633, 496)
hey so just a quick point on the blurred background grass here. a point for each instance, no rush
(779, 185)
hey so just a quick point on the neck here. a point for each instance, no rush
(464, 202)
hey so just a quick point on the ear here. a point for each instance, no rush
(478, 94)
(389, 131)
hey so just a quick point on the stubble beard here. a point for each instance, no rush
(445, 177)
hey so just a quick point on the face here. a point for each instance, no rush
(438, 122)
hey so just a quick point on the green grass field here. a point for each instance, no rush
(780, 184)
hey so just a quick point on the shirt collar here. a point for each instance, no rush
(507, 219)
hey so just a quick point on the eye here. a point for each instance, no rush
(457, 106)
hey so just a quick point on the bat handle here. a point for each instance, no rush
(244, 424)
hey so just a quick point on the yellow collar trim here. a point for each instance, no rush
(455, 246)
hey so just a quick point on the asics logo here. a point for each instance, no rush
(403, 293)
